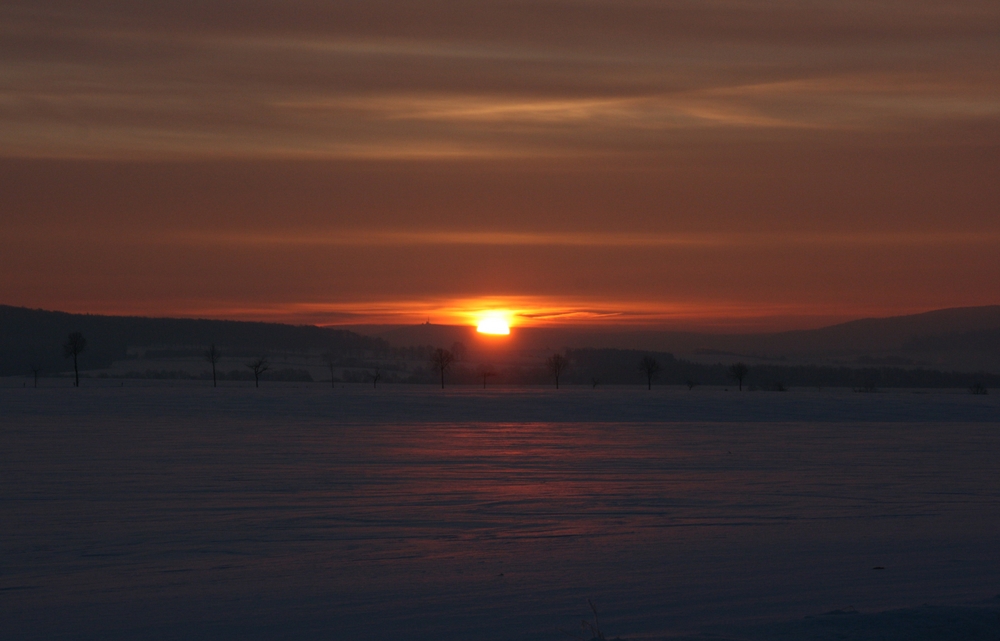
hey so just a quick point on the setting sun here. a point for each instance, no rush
(493, 324)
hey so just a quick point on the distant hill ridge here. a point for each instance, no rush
(962, 338)
(894, 331)
(34, 338)
(966, 338)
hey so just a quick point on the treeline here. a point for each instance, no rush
(635, 367)
(617, 367)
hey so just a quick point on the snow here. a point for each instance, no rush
(175, 511)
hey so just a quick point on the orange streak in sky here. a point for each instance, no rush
(533, 312)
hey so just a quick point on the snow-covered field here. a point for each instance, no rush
(300, 512)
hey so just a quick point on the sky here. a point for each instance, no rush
(722, 164)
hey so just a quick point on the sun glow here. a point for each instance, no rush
(493, 324)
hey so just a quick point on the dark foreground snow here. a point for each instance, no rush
(177, 512)
(968, 623)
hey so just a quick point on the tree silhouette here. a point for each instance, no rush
(486, 371)
(35, 370)
(442, 360)
(376, 377)
(212, 356)
(331, 361)
(259, 366)
(75, 344)
(557, 364)
(459, 350)
(738, 371)
(650, 368)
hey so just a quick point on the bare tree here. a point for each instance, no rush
(331, 361)
(557, 364)
(650, 368)
(259, 366)
(593, 629)
(376, 377)
(442, 360)
(738, 371)
(75, 344)
(35, 370)
(486, 371)
(691, 383)
(212, 355)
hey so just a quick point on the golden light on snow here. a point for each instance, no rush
(493, 323)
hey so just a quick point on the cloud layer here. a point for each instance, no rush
(818, 139)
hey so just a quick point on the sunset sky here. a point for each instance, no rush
(714, 164)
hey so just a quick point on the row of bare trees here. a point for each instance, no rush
(442, 360)
(258, 365)
(651, 368)
(557, 364)
(76, 343)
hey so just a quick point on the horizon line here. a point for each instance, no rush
(304, 315)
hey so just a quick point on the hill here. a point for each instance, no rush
(921, 350)
(963, 339)
(34, 338)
